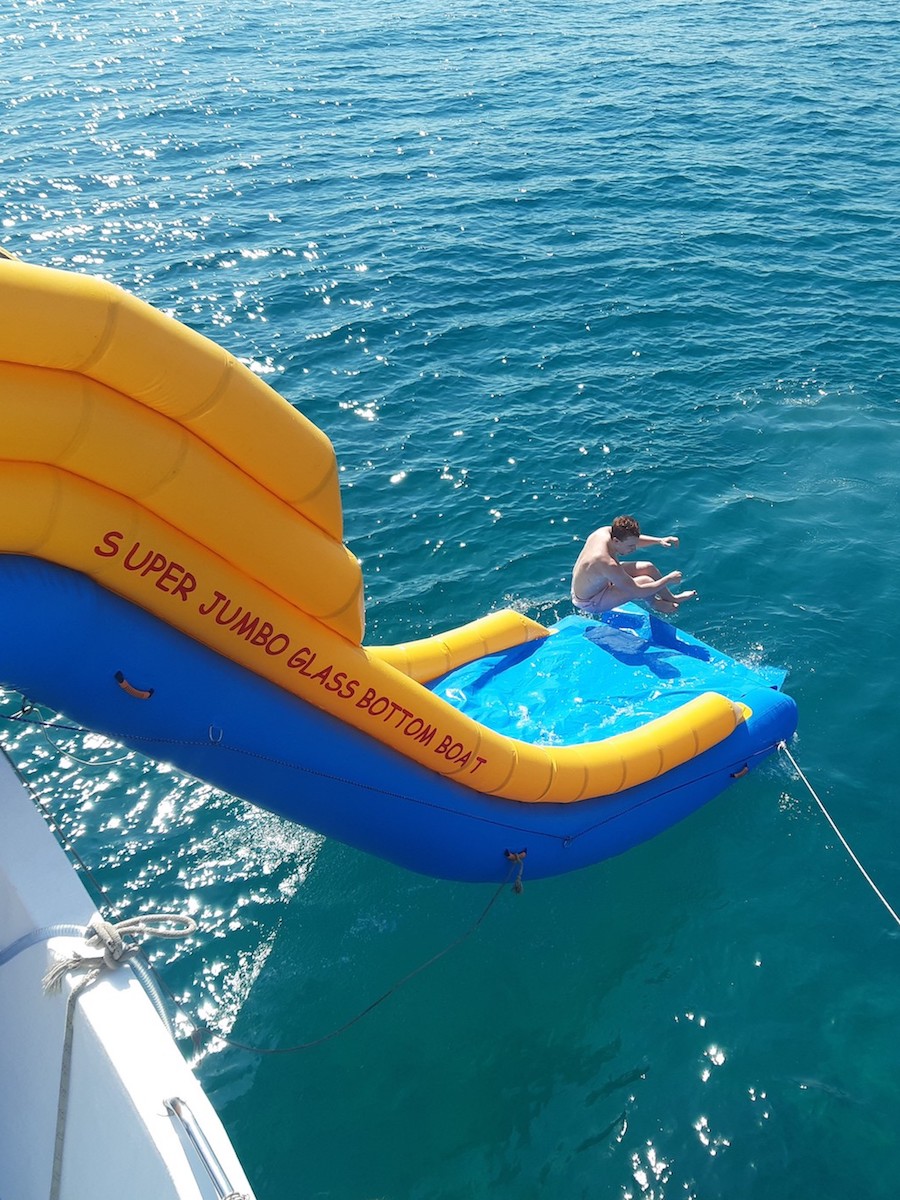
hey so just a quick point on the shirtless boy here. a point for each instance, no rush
(600, 582)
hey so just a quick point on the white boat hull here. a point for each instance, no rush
(120, 1138)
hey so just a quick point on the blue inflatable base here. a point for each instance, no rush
(595, 677)
(67, 639)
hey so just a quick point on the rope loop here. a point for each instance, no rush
(109, 938)
(163, 925)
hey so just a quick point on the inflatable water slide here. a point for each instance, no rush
(173, 576)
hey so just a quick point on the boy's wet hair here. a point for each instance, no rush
(625, 527)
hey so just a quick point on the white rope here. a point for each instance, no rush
(865, 874)
(109, 937)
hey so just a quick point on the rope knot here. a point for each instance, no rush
(98, 934)
(516, 858)
(109, 938)
(106, 935)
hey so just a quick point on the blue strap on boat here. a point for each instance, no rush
(37, 936)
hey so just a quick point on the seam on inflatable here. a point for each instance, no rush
(164, 480)
(84, 421)
(306, 497)
(189, 416)
(54, 491)
(113, 304)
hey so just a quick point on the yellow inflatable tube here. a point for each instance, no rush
(59, 418)
(85, 325)
(143, 456)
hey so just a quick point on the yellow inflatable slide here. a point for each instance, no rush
(146, 459)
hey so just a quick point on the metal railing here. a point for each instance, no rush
(198, 1139)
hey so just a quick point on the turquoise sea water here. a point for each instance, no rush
(528, 266)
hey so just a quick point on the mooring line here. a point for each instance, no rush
(865, 874)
